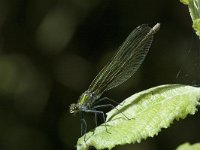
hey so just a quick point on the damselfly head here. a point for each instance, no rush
(74, 108)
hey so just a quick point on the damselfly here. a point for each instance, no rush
(122, 66)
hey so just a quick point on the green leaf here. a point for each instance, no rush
(149, 111)
(186, 2)
(194, 9)
(187, 146)
(196, 26)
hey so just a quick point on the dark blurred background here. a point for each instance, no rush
(51, 50)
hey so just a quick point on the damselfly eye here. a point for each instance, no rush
(73, 108)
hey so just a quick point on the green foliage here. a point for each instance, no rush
(187, 146)
(194, 8)
(186, 2)
(149, 111)
(196, 26)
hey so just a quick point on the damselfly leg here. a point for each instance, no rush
(96, 112)
(83, 123)
(109, 105)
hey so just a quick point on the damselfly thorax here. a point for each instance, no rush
(85, 102)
